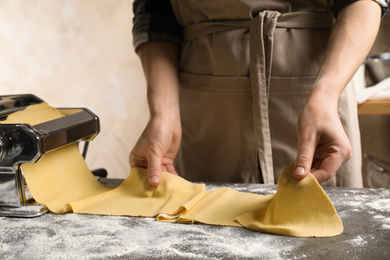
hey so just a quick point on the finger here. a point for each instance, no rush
(321, 175)
(327, 168)
(132, 160)
(154, 169)
(171, 169)
(304, 158)
(138, 163)
(316, 164)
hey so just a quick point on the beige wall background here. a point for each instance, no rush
(78, 53)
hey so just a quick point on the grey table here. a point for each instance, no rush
(365, 214)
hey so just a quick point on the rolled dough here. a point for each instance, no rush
(135, 197)
(60, 176)
(62, 181)
(223, 205)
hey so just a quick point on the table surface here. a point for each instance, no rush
(365, 214)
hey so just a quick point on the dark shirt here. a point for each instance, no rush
(155, 20)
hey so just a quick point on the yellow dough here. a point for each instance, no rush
(135, 197)
(222, 206)
(62, 181)
(60, 176)
(299, 208)
(33, 115)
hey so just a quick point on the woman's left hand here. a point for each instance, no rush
(323, 144)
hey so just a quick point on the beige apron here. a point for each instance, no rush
(246, 68)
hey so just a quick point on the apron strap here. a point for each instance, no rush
(295, 20)
(261, 46)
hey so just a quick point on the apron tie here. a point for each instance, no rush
(262, 28)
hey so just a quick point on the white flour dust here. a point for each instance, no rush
(382, 205)
(376, 207)
(95, 237)
(252, 188)
(72, 236)
(358, 241)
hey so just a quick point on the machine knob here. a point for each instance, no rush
(10, 145)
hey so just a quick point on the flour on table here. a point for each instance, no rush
(358, 241)
(102, 237)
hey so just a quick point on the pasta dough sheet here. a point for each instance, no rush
(60, 176)
(135, 197)
(223, 205)
(62, 181)
(299, 208)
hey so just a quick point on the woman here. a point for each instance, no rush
(247, 74)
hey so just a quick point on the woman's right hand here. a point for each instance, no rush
(159, 143)
(157, 147)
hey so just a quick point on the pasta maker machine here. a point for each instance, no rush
(24, 143)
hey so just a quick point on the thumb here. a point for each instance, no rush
(154, 169)
(304, 158)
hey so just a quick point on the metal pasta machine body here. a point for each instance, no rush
(24, 143)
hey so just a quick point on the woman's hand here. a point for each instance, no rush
(157, 147)
(323, 144)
